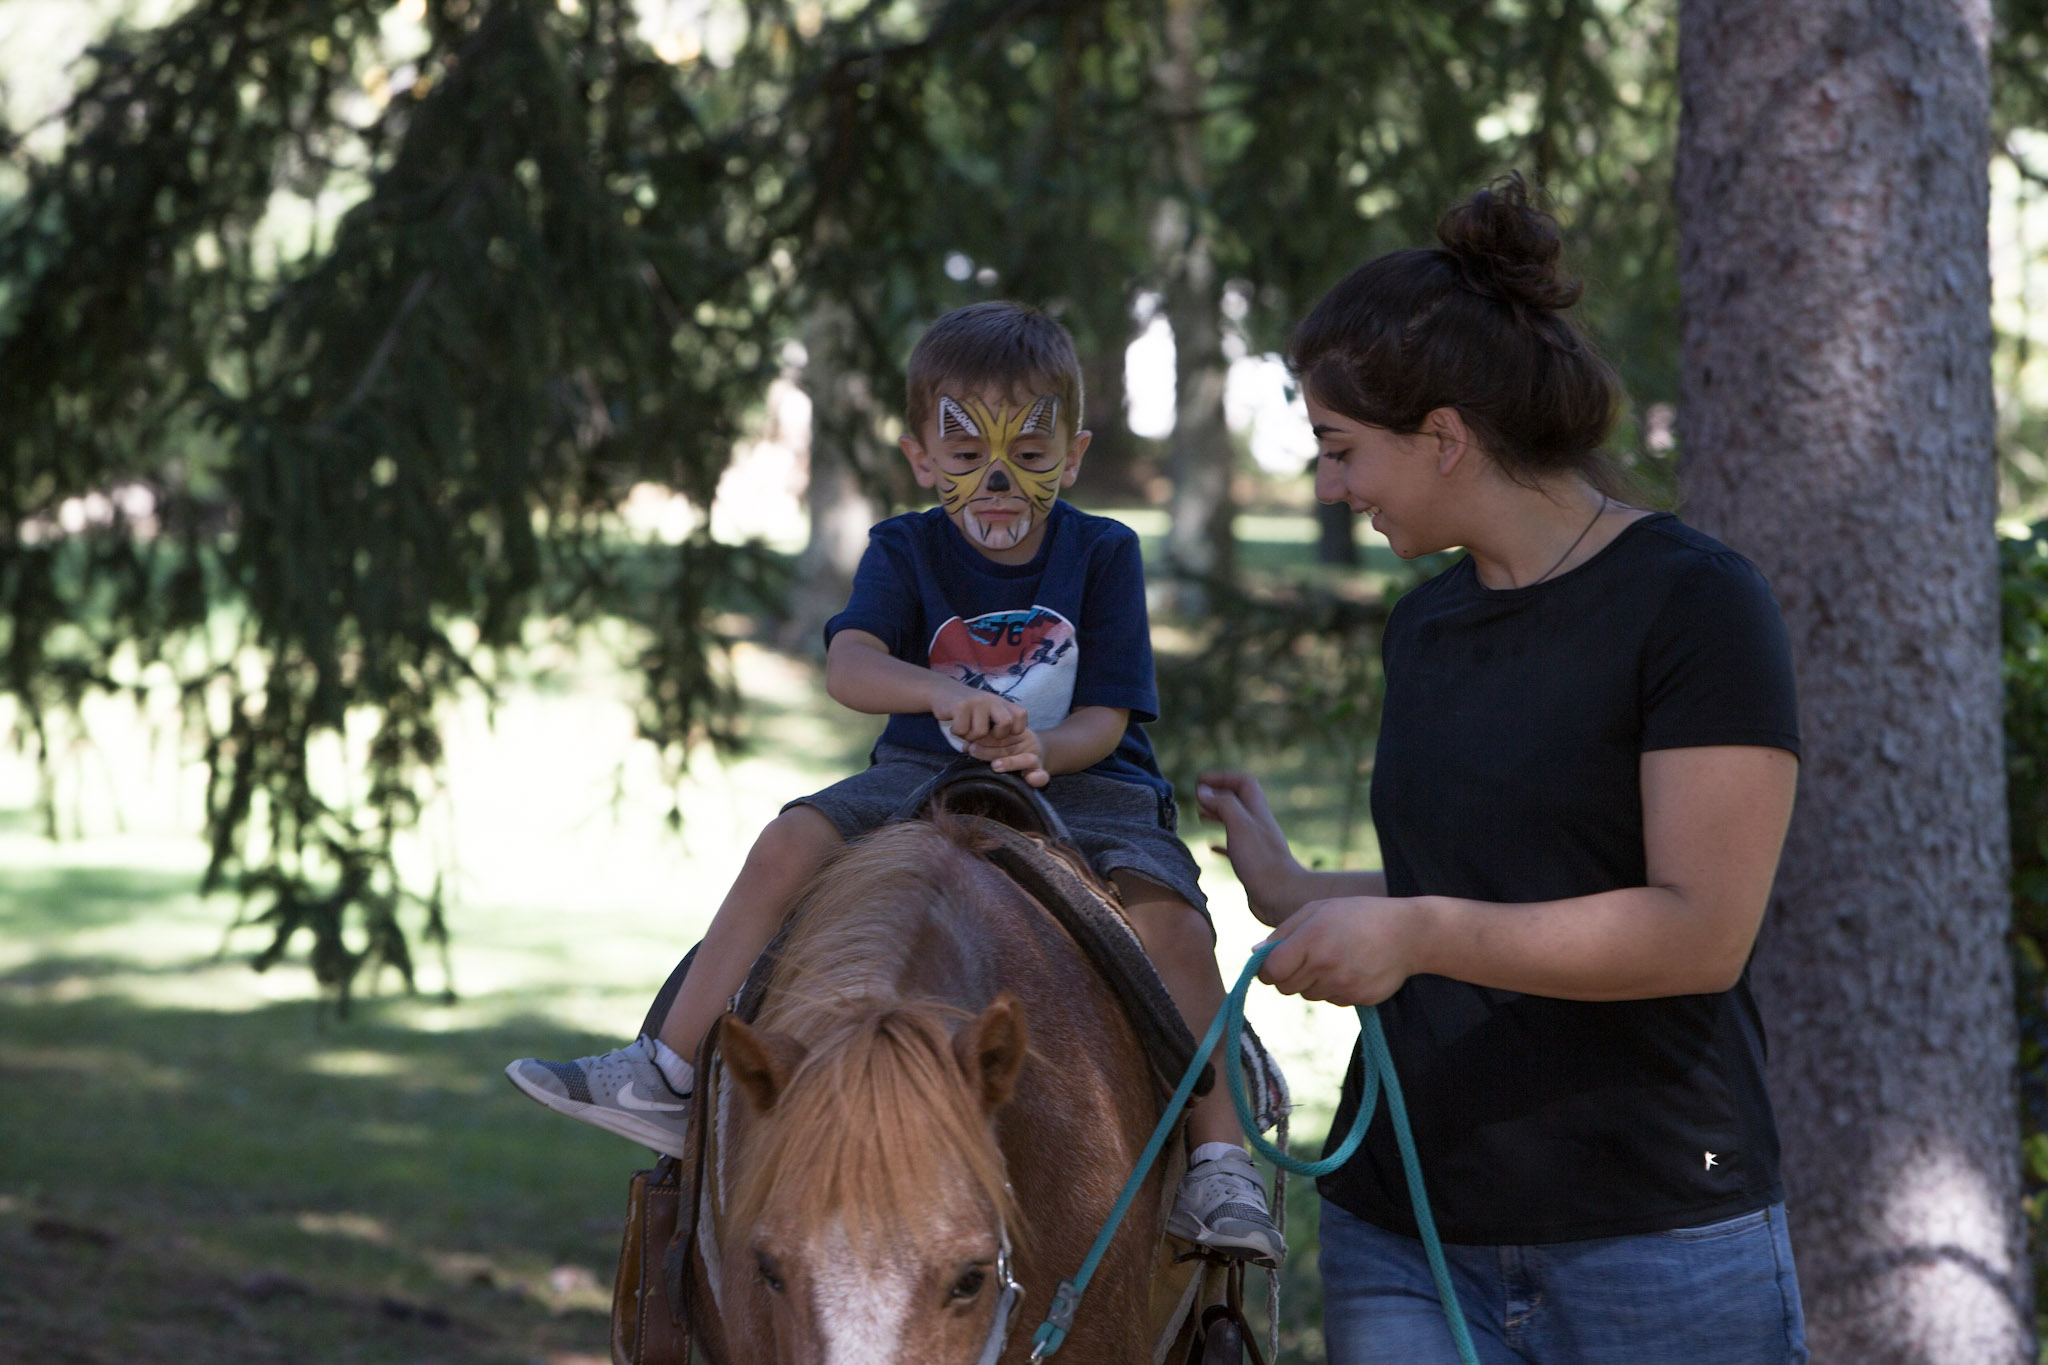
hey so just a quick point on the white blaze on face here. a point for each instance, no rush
(861, 1307)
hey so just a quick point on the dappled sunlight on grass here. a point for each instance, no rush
(104, 1064)
(185, 1131)
(351, 1161)
(357, 1227)
(356, 1062)
(394, 1134)
(570, 899)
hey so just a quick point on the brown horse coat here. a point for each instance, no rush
(935, 1062)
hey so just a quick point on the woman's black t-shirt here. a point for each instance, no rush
(1508, 770)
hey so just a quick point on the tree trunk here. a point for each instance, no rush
(1835, 425)
(843, 420)
(1199, 454)
(1336, 532)
(1113, 454)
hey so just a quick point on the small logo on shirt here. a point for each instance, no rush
(1713, 1160)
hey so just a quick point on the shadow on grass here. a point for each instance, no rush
(201, 1186)
(38, 902)
(192, 1186)
(196, 1187)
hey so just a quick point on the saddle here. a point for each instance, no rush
(1028, 841)
(1197, 1315)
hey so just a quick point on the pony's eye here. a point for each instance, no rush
(968, 1285)
(764, 1266)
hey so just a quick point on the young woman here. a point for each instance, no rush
(1585, 770)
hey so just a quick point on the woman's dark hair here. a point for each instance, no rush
(1478, 324)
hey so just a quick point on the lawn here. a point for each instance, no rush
(202, 1164)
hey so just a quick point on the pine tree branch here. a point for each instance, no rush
(385, 345)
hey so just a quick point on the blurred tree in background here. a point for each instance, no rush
(335, 477)
(369, 468)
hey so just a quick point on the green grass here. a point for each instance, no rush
(200, 1164)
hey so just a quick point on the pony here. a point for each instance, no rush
(938, 1093)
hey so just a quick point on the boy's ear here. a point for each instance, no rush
(920, 462)
(1076, 448)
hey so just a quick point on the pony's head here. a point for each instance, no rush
(870, 1201)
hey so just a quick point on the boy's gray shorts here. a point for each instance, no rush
(1118, 826)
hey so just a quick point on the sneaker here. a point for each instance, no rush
(621, 1092)
(1221, 1207)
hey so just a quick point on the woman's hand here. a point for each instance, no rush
(1353, 951)
(1254, 843)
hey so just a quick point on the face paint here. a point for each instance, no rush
(1000, 479)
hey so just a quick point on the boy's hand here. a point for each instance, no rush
(974, 715)
(1023, 754)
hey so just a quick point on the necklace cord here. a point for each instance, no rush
(1598, 513)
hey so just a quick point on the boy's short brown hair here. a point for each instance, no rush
(995, 346)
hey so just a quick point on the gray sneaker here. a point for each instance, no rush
(621, 1092)
(1221, 1207)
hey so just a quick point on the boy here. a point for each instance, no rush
(1002, 623)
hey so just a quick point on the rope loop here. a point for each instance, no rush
(1377, 1065)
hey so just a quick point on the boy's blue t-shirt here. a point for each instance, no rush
(1066, 629)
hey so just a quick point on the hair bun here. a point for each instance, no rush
(1507, 248)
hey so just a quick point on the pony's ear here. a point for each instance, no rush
(991, 1050)
(761, 1063)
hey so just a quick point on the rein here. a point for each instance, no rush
(1376, 1063)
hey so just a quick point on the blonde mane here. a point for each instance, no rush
(879, 1107)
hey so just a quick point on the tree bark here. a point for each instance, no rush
(1199, 453)
(1836, 425)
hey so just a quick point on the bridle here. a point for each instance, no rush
(1006, 1283)
(684, 1243)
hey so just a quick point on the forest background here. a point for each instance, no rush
(431, 433)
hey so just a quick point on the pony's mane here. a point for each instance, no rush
(877, 1110)
(879, 1105)
(901, 889)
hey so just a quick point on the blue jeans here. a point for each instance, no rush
(1721, 1294)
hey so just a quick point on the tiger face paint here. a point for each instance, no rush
(997, 471)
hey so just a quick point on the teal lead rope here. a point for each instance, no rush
(1377, 1064)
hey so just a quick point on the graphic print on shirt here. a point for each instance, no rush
(1027, 656)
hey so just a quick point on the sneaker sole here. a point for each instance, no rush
(629, 1126)
(1257, 1250)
